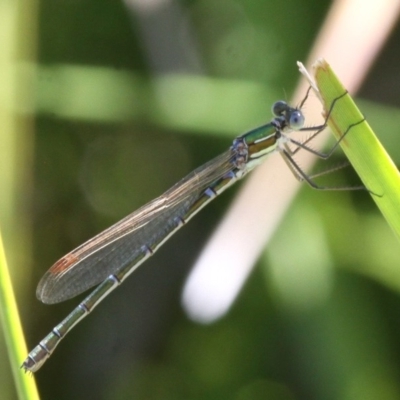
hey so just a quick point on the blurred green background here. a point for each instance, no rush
(127, 98)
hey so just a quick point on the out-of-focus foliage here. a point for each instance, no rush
(129, 97)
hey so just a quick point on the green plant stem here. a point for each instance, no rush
(14, 338)
(367, 155)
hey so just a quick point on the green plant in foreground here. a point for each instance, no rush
(11, 324)
(367, 155)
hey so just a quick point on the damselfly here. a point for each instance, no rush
(110, 257)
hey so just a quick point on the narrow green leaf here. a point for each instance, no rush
(367, 155)
(11, 324)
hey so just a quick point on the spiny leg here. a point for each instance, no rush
(318, 129)
(302, 176)
(305, 98)
(320, 154)
(321, 173)
(329, 170)
(287, 153)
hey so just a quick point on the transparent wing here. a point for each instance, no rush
(116, 247)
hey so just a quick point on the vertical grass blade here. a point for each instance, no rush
(363, 149)
(11, 324)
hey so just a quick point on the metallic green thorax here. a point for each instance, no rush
(262, 140)
(253, 146)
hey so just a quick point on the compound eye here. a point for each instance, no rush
(296, 120)
(279, 108)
